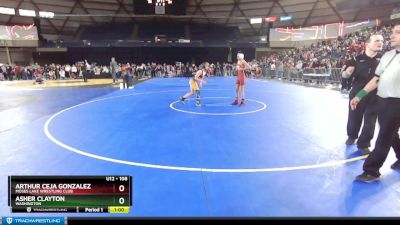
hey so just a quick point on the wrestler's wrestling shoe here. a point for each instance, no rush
(198, 104)
(182, 100)
(242, 103)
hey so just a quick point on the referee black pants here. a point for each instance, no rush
(389, 121)
(367, 109)
(85, 75)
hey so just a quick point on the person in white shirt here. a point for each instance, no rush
(114, 70)
(272, 68)
(67, 70)
(387, 81)
(105, 69)
(62, 73)
(97, 70)
(87, 71)
(74, 71)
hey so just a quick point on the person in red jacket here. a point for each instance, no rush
(241, 66)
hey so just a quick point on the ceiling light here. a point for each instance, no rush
(25, 12)
(8, 11)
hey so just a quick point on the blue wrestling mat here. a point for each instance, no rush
(282, 154)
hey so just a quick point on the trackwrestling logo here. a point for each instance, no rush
(34, 220)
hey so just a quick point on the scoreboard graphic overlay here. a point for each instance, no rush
(74, 194)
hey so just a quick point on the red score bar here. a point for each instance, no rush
(97, 189)
(78, 185)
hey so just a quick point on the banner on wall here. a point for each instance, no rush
(19, 36)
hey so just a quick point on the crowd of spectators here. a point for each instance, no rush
(326, 54)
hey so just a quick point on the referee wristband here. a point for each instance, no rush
(361, 94)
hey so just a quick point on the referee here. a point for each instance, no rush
(362, 69)
(387, 80)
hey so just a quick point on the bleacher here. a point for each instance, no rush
(171, 30)
(212, 34)
(107, 32)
